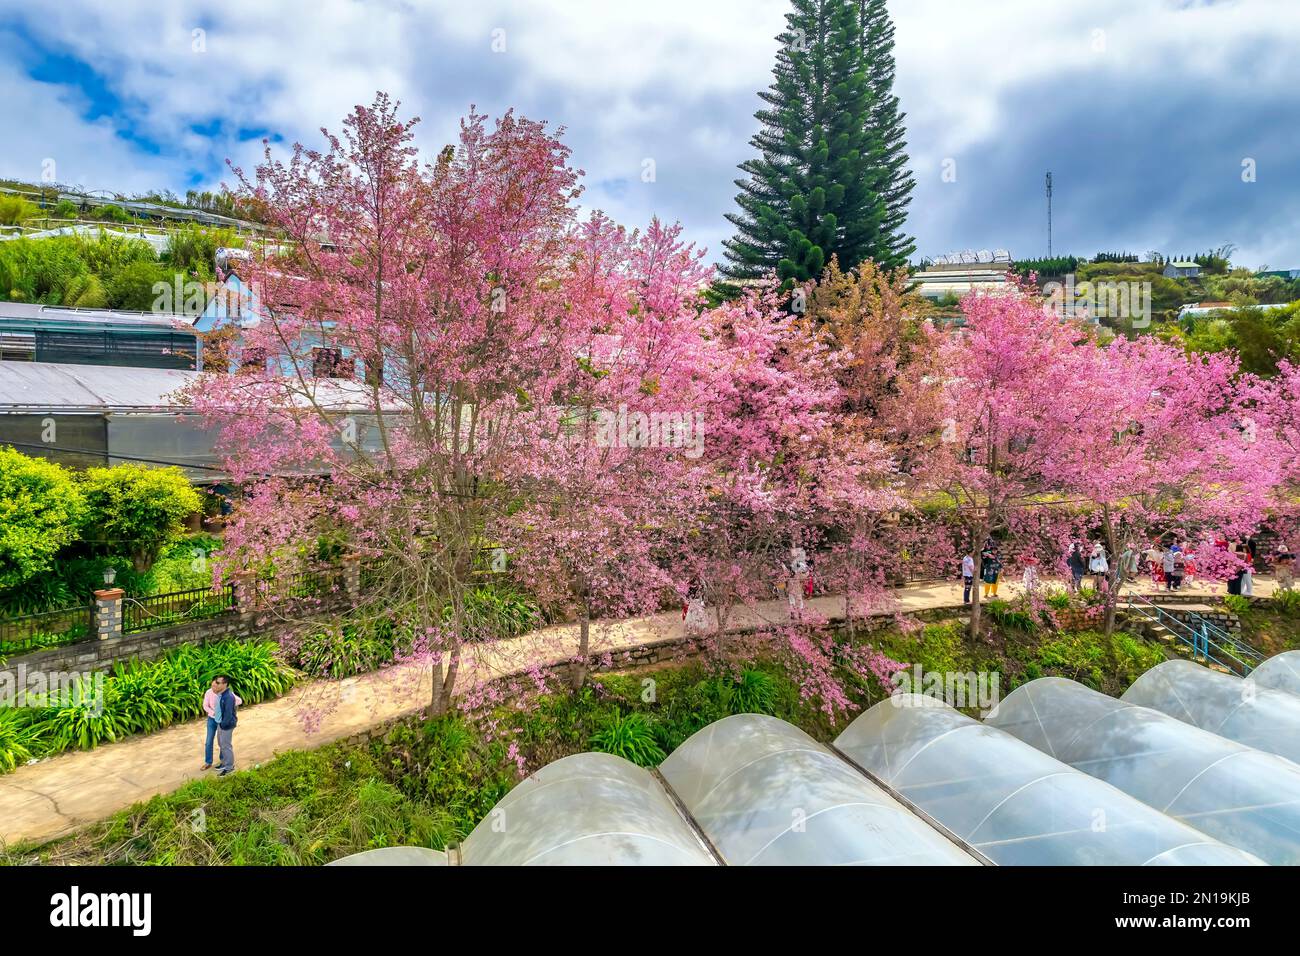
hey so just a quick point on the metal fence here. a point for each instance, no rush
(176, 607)
(34, 632)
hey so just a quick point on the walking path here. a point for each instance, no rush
(52, 797)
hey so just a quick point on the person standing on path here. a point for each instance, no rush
(1076, 565)
(1167, 563)
(1284, 562)
(967, 578)
(1099, 566)
(227, 717)
(210, 708)
(1248, 575)
(990, 566)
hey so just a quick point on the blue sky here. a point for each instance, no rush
(1144, 110)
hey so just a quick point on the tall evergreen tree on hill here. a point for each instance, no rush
(830, 177)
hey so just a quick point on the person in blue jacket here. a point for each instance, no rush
(227, 716)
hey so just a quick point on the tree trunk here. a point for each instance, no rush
(584, 648)
(977, 549)
(437, 704)
(444, 681)
(1115, 575)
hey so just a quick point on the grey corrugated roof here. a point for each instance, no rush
(54, 385)
(37, 313)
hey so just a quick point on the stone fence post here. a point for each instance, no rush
(352, 576)
(244, 584)
(108, 613)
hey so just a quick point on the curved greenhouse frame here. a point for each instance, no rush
(765, 793)
(1279, 672)
(1229, 706)
(394, 856)
(590, 809)
(1241, 796)
(1015, 804)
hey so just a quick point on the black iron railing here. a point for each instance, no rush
(34, 632)
(176, 607)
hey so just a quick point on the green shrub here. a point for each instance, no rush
(41, 511)
(753, 692)
(19, 736)
(628, 736)
(1058, 600)
(348, 649)
(1236, 603)
(1287, 601)
(1016, 619)
(140, 697)
(492, 612)
(139, 507)
(14, 210)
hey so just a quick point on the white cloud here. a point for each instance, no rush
(672, 80)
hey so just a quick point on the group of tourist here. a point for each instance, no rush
(1170, 565)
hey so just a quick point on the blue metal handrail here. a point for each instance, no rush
(1227, 639)
(1208, 641)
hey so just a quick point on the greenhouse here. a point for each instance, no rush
(765, 793)
(1223, 704)
(1015, 804)
(1280, 672)
(587, 809)
(1244, 797)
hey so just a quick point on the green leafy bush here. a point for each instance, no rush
(138, 508)
(753, 692)
(14, 210)
(1002, 613)
(629, 736)
(1236, 603)
(350, 648)
(492, 612)
(41, 510)
(1287, 601)
(19, 737)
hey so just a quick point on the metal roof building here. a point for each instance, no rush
(86, 415)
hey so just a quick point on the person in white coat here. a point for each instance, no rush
(1098, 565)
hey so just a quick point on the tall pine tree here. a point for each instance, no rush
(830, 177)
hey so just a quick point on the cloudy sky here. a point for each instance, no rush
(1144, 110)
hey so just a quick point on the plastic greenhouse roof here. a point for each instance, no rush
(586, 809)
(1280, 672)
(1223, 704)
(1244, 797)
(394, 856)
(1013, 803)
(766, 793)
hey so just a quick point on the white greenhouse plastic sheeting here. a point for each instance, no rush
(765, 793)
(587, 809)
(1013, 803)
(1223, 704)
(1280, 672)
(1244, 797)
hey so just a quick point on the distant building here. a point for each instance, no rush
(87, 415)
(1182, 270)
(1287, 274)
(957, 279)
(1206, 308)
(31, 332)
